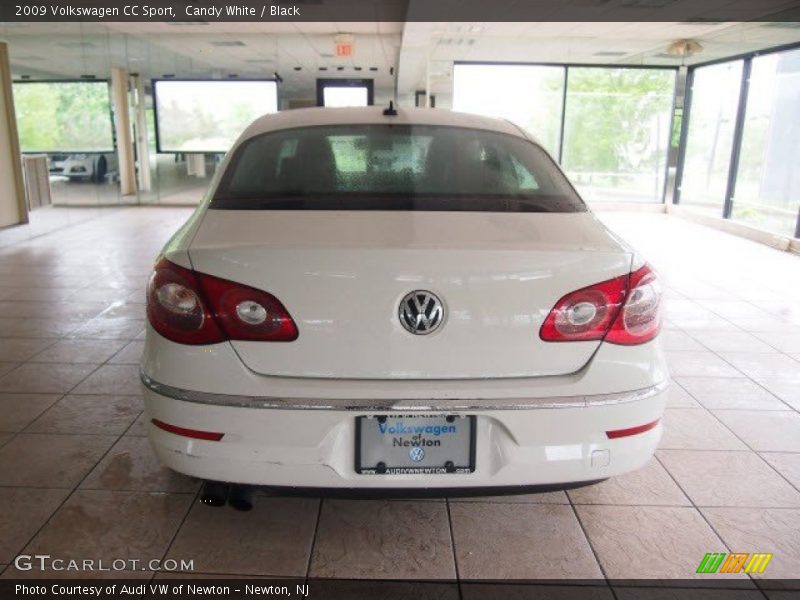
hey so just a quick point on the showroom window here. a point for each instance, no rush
(70, 121)
(767, 192)
(338, 93)
(191, 124)
(709, 139)
(617, 132)
(528, 95)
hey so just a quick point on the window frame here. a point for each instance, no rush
(738, 136)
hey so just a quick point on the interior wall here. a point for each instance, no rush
(12, 195)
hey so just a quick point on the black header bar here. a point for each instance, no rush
(211, 11)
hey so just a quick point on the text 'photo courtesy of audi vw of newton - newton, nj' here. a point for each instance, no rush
(382, 299)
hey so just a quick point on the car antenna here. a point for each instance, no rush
(390, 112)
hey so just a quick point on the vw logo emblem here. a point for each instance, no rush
(421, 312)
(416, 454)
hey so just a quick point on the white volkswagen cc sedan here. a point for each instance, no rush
(411, 299)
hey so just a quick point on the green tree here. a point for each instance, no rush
(611, 117)
(63, 116)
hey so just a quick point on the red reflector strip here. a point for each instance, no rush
(190, 433)
(618, 433)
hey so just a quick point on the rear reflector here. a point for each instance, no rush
(190, 433)
(619, 433)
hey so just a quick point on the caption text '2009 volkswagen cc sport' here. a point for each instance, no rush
(407, 299)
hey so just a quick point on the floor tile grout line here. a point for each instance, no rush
(15, 434)
(53, 342)
(76, 487)
(697, 510)
(589, 542)
(745, 375)
(185, 517)
(453, 547)
(742, 440)
(71, 493)
(69, 434)
(758, 383)
(788, 408)
(754, 451)
(26, 429)
(107, 211)
(754, 305)
(313, 540)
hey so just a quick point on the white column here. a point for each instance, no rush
(122, 129)
(13, 209)
(196, 165)
(142, 143)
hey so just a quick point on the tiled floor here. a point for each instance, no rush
(77, 478)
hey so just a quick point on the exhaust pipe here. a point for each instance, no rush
(240, 497)
(214, 493)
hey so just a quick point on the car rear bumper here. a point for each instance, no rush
(518, 443)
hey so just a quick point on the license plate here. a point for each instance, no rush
(415, 444)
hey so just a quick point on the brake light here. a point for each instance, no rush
(624, 310)
(585, 314)
(639, 321)
(194, 308)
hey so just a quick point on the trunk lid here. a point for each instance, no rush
(342, 276)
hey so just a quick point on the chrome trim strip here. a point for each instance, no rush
(437, 404)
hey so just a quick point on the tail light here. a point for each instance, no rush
(639, 321)
(194, 308)
(624, 310)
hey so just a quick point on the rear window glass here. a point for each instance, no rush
(393, 167)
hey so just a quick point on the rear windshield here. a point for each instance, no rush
(393, 167)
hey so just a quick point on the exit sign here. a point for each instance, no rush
(344, 49)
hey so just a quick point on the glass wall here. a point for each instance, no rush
(70, 121)
(528, 95)
(767, 191)
(617, 132)
(178, 177)
(709, 140)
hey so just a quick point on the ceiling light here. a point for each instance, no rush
(647, 3)
(76, 44)
(684, 48)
